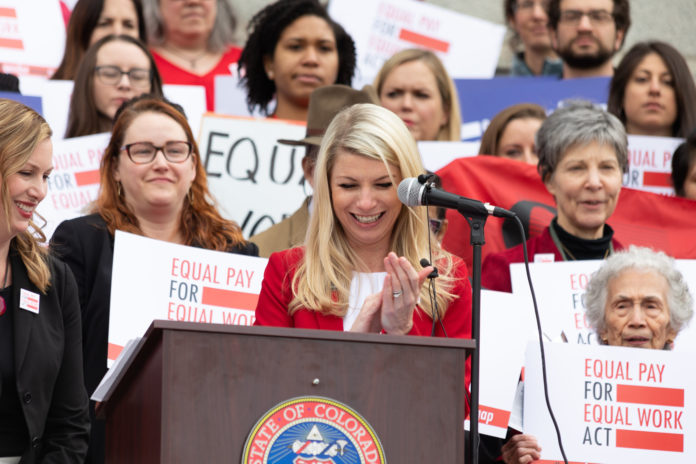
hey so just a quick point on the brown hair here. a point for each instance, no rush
(445, 85)
(683, 83)
(83, 117)
(83, 21)
(201, 223)
(495, 129)
(21, 131)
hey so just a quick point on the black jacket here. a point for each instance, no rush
(48, 367)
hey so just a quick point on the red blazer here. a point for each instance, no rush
(275, 297)
(495, 271)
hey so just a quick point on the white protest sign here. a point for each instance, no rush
(32, 37)
(468, 46)
(256, 181)
(436, 155)
(560, 288)
(650, 163)
(505, 329)
(74, 182)
(230, 98)
(152, 280)
(612, 404)
(192, 99)
(55, 97)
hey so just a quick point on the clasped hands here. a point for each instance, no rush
(392, 309)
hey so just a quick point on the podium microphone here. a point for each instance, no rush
(412, 193)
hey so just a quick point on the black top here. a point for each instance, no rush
(580, 248)
(13, 428)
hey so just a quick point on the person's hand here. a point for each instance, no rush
(521, 449)
(400, 294)
(368, 319)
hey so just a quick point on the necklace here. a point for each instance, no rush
(3, 306)
(191, 60)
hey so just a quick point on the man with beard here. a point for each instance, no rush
(587, 33)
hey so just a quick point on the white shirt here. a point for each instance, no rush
(362, 285)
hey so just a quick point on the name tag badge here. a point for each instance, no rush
(544, 258)
(29, 301)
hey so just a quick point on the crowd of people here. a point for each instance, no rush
(350, 257)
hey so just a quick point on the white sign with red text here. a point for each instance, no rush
(152, 280)
(32, 37)
(650, 163)
(256, 181)
(612, 404)
(436, 155)
(560, 289)
(501, 358)
(468, 47)
(74, 182)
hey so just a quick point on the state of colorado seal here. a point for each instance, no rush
(312, 430)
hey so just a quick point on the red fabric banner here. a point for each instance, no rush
(641, 218)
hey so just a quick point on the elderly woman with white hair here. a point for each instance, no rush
(637, 299)
(583, 154)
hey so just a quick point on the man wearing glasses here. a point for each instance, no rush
(587, 33)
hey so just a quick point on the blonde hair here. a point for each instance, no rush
(448, 92)
(21, 131)
(323, 276)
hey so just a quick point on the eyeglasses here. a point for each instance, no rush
(435, 225)
(111, 75)
(596, 17)
(145, 152)
(525, 5)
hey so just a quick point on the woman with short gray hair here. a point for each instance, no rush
(582, 153)
(608, 307)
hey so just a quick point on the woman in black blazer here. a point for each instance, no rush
(153, 184)
(43, 402)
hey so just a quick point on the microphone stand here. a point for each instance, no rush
(477, 223)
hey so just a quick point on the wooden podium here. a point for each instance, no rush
(193, 392)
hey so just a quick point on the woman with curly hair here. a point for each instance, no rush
(293, 48)
(153, 184)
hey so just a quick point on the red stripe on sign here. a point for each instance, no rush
(229, 298)
(87, 177)
(11, 43)
(423, 40)
(8, 13)
(493, 416)
(551, 461)
(658, 396)
(655, 441)
(114, 351)
(656, 179)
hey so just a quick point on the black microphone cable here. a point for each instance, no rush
(541, 340)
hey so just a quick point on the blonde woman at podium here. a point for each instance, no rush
(359, 267)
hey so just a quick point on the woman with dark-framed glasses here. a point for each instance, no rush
(114, 70)
(153, 184)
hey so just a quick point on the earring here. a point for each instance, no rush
(118, 189)
(189, 194)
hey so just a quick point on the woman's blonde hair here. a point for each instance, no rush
(448, 92)
(21, 131)
(322, 279)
